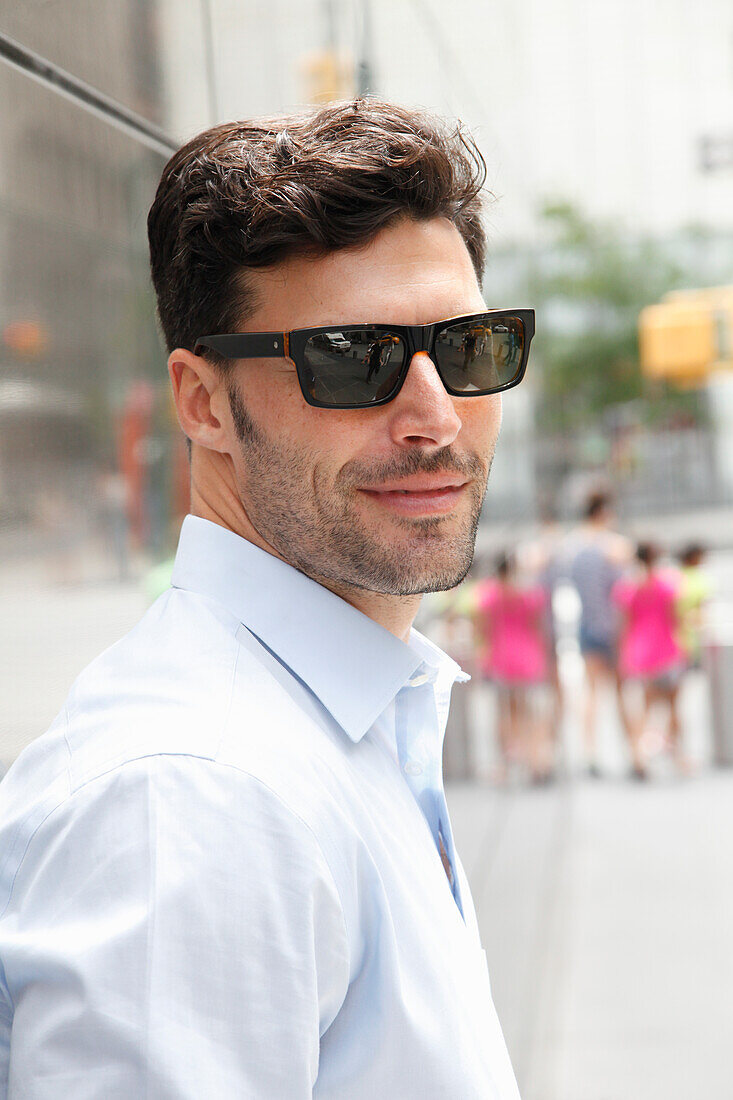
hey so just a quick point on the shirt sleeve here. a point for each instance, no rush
(175, 933)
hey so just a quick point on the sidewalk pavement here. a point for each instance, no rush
(606, 910)
(56, 631)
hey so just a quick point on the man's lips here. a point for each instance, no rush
(426, 494)
(418, 483)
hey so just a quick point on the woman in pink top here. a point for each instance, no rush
(649, 650)
(514, 658)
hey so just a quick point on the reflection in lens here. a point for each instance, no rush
(353, 366)
(479, 356)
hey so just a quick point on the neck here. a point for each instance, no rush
(216, 499)
(395, 613)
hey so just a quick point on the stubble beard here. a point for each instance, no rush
(322, 531)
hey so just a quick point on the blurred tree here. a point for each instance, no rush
(588, 286)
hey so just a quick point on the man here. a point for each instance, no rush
(228, 868)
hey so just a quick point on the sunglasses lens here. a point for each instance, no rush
(480, 356)
(355, 366)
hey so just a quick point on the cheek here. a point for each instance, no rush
(276, 405)
(481, 420)
(322, 440)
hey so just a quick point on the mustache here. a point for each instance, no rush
(443, 461)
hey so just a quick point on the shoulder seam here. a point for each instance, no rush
(192, 756)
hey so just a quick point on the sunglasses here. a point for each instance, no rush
(361, 366)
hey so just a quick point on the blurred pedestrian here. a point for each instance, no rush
(112, 505)
(514, 658)
(649, 652)
(695, 590)
(544, 557)
(598, 556)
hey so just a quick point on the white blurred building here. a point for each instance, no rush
(625, 108)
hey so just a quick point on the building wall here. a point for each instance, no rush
(77, 331)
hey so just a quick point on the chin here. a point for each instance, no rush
(434, 582)
(400, 572)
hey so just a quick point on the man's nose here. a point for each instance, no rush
(423, 412)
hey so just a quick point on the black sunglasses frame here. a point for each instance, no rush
(291, 345)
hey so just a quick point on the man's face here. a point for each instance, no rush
(384, 499)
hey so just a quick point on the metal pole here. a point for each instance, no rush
(63, 83)
(364, 68)
(209, 62)
(329, 13)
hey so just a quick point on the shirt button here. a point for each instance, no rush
(412, 768)
(421, 678)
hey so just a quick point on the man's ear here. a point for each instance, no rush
(200, 396)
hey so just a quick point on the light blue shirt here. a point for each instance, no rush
(221, 872)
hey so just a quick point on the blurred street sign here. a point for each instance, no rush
(328, 77)
(27, 339)
(687, 335)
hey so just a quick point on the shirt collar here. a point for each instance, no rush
(352, 664)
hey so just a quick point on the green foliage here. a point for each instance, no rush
(588, 286)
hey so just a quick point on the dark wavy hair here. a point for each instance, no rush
(648, 553)
(247, 195)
